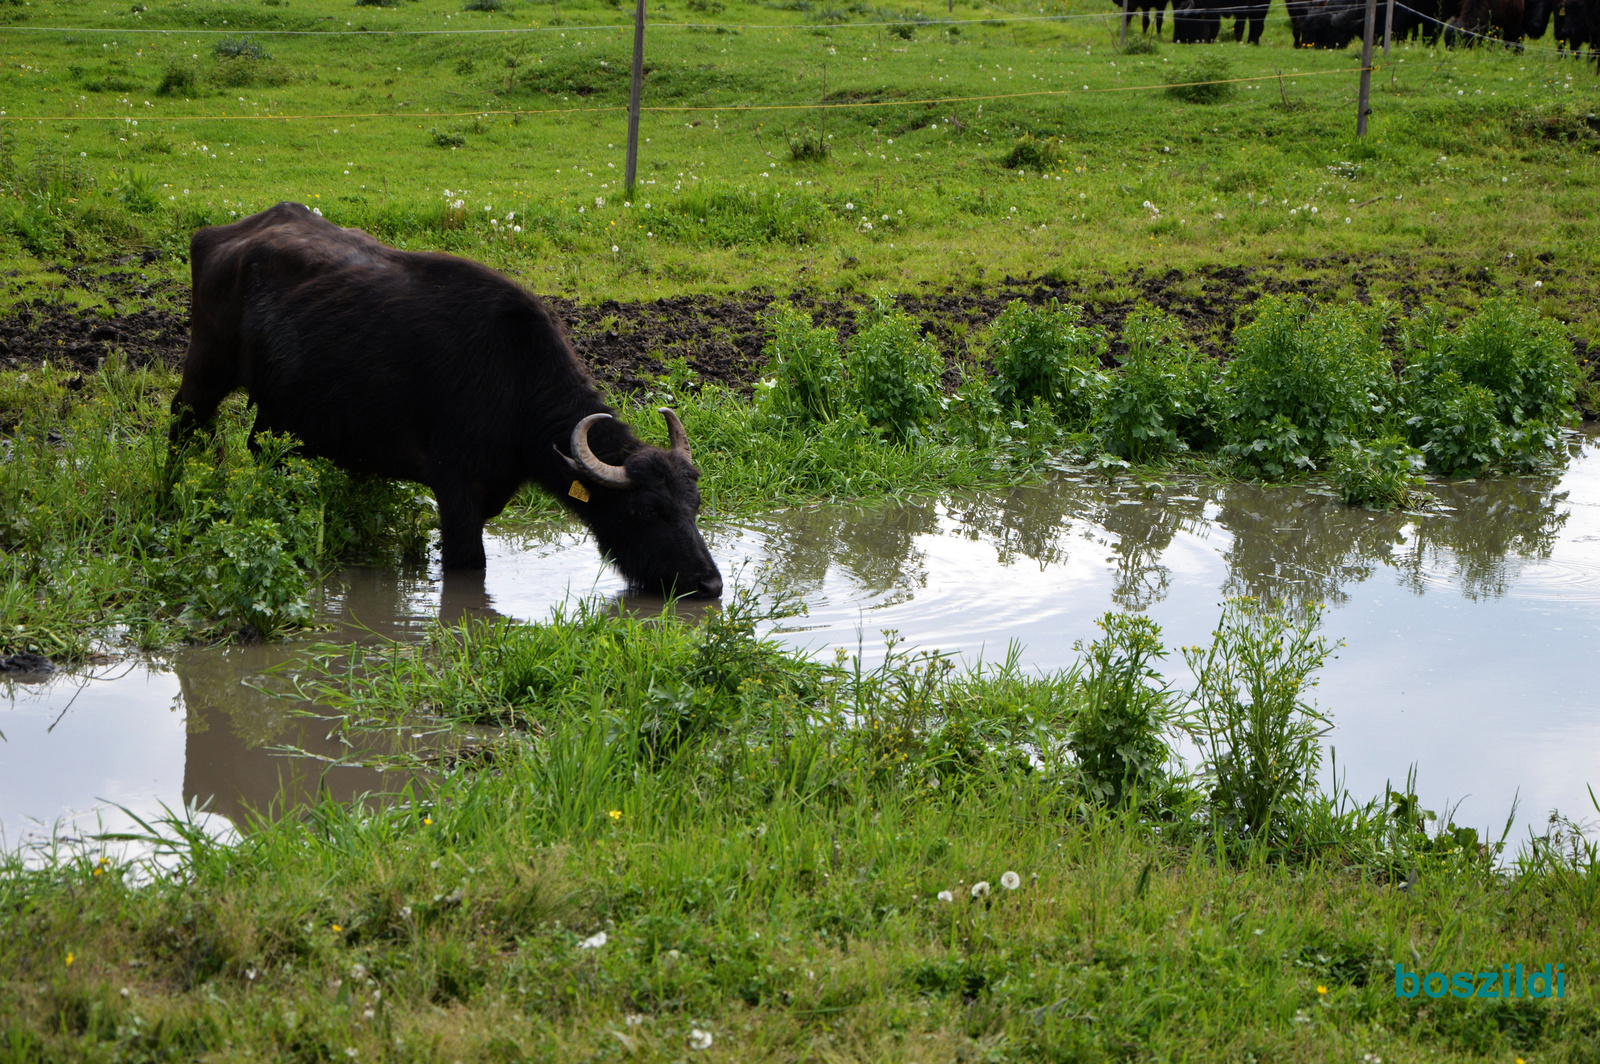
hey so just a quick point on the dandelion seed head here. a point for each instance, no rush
(980, 889)
(1010, 880)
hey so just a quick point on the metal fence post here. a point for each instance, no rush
(1388, 29)
(1122, 39)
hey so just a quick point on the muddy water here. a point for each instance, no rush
(1469, 633)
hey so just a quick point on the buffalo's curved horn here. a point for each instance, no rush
(612, 476)
(678, 438)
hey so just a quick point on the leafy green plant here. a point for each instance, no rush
(1259, 736)
(1044, 354)
(244, 575)
(805, 366)
(447, 138)
(894, 373)
(807, 149)
(1123, 711)
(239, 48)
(138, 190)
(1381, 473)
(1160, 399)
(1454, 424)
(1203, 81)
(1491, 393)
(178, 79)
(1034, 153)
(1303, 381)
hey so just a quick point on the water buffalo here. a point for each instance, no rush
(435, 369)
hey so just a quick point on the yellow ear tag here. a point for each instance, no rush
(578, 491)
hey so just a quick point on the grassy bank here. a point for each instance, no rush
(505, 143)
(692, 845)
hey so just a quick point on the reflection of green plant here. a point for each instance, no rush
(1259, 736)
(1124, 709)
(894, 373)
(1160, 400)
(1044, 354)
(805, 366)
(1379, 473)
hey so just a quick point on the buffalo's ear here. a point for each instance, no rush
(572, 465)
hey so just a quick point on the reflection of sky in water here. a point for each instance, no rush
(1468, 633)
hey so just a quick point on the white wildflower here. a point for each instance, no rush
(945, 895)
(594, 941)
(699, 1039)
(980, 889)
(1011, 881)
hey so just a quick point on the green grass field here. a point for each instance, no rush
(691, 845)
(161, 118)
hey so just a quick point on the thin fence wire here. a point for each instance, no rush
(1103, 16)
(682, 108)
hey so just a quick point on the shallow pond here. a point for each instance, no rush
(1469, 633)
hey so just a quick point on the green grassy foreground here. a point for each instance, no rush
(508, 147)
(693, 845)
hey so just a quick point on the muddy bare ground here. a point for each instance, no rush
(720, 338)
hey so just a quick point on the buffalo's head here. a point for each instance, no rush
(642, 512)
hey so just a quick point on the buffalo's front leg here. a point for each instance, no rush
(461, 520)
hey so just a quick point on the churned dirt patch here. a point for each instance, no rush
(720, 337)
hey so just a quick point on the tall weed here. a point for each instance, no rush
(1123, 711)
(1258, 735)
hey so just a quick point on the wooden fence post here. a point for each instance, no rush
(1388, 29)
(1365, 94)
(634, 92)
(1122, 40)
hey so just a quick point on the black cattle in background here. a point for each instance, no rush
(1577, 23)
(1249, 15)
(1144, 8)
(1414, 19)
(1196, 21)
(1330, 23)
(434, 369)
(1536, 17)
(1479, 20)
